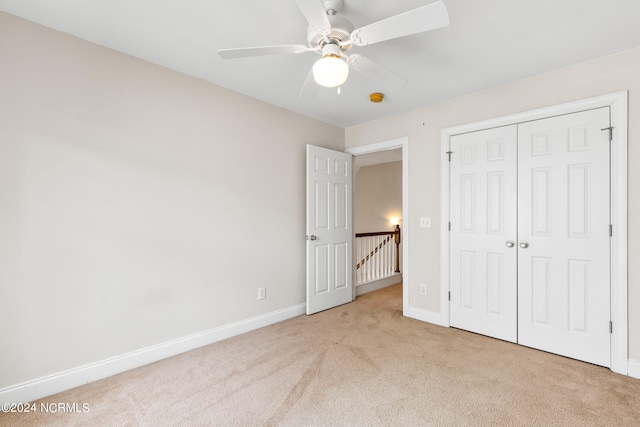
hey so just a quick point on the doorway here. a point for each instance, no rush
(379, 148)
(377, 219)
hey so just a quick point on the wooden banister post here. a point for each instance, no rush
(396, 238)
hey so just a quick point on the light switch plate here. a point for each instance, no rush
(425, 222)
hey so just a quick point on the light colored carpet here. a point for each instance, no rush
(361, 364)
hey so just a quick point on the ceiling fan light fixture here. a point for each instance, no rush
(330, 70)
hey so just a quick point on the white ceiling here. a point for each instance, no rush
(489, 42)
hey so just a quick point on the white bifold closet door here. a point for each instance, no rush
(530, 236)
(563, 219)
(483, 219)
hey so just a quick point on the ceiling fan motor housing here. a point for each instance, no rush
(341, 29)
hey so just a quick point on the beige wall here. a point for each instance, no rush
(137, 205)
(377, 197)
(422, 126)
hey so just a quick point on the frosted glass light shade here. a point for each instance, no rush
(330, 71)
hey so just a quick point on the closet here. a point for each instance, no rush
(529, 249)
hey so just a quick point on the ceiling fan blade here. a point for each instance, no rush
(315, 14)
(388, 79)
(425, 18)
(309, 89)
(244, 52)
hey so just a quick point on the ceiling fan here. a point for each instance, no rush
(332, 36)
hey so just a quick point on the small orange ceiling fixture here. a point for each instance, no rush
(376, 97)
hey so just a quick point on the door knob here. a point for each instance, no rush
(510, 243)
(312, 237)
(524, 245)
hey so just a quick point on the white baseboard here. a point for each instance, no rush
(365, 288)
(425, 315)
(634, 368)
(56, 383)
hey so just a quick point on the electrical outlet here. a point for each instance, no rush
(423, 288)
(425, 222)
(262, 293)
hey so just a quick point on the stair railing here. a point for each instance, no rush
(378, 255)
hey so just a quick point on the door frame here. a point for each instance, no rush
(403, 143)
(618, 181)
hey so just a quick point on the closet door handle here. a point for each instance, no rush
(524, 245)
(510, 243)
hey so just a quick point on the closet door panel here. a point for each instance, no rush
(483, 220)
(563, 235)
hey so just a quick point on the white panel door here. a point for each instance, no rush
(483, 232)
(563, 235)
(329, 229)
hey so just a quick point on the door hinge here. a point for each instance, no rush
(449, 295)
(610, 230)
(610, 327)
(449, 225)
(610, 129)
(449, 153)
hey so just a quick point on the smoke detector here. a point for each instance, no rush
(376, 97)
